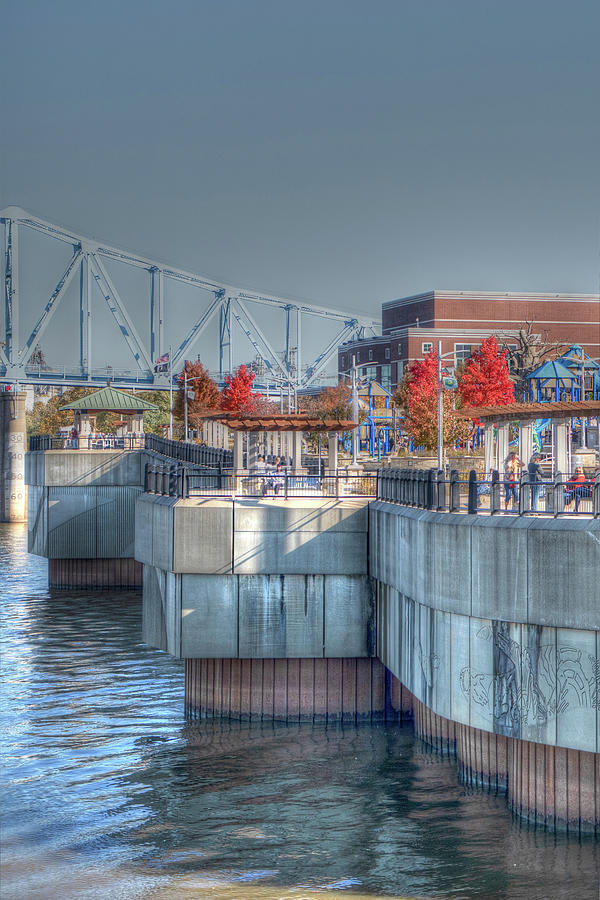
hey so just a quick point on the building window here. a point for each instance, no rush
(343, 361)
(461, 352)
(386, 377)
(369, 373)
(370, 354)
(358, 356)
(426, 347)
(399, 371)
(387, 352)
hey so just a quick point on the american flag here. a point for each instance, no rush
(162, 363)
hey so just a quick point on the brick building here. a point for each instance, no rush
(411, 326)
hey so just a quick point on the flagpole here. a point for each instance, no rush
(170, 395)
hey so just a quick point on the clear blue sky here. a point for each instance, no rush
(341, 151)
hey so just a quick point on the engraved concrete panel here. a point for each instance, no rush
(441, 663)
(507, 678)
(576, 694)
(460, 661)
(477, 681)
(538, 684)
(209, 611)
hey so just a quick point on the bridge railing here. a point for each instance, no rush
(178, 481)
(430, 489)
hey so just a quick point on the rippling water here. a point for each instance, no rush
(110, 793)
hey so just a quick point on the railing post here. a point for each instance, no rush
(431, 488)
(146, 468)
(596, 496)
(472, 503)
(454, 491)
(559, 494)
(441, 490)
(495, 493)
(524, 494)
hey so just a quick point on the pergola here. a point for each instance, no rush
(271, 434)
(108, 399)
(525, 414)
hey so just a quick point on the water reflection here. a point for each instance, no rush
(110, 792)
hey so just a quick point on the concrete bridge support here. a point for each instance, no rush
(13, 491)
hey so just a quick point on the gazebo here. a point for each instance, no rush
(552, 381)
(266, 435)
(108, 399)
(525, 414)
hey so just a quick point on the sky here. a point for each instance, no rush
(337, 151)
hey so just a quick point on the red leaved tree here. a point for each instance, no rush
(485, 380)
(205, 390)
(237, 394)
(417, 398)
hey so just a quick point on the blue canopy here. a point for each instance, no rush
(572, 359)
(552, 369)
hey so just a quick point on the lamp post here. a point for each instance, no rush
(440, 405)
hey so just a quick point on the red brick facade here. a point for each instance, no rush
(462, 319)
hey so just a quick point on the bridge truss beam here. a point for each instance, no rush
(88, 262)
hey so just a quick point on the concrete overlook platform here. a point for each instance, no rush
(486, 629)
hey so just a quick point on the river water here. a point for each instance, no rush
(109, 792)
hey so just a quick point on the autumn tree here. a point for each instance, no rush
(205, 392)
(484, 380)
(237, 394)
(417, 399)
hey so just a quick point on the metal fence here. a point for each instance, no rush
(178, 481)
(88, 442)
(430, 489)
(194, 454)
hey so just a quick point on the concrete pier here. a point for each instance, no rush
(13, 490)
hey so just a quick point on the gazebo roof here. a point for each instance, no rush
(552, 369)
(528, 412)
(278, 422)
(109, 399)
(572, 359)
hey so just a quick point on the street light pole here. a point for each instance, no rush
(354, 413)
(440, 410)
(185, 407)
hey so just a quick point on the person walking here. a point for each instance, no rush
(512, 469)
(536, 476)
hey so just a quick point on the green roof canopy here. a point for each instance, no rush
(109, 399)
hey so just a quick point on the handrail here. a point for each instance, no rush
(430, 489)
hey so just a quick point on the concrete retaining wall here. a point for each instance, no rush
(493, 623)
(258, 616)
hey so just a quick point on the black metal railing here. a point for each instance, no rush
(430, 489)
(193, 454)
(179, 481)
(88, 442)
